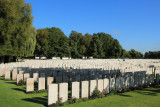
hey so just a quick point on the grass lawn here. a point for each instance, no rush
(12, 95)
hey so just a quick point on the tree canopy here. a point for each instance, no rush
(152, 55)
(52, 42)
(17, 35)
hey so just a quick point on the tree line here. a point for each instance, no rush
(152, 55)
(52, 42)
(18, 38)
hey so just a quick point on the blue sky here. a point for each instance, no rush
(135, 23)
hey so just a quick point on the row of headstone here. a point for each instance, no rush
(42, 84)
(25, 76)
(78, 90)
(69, 74)
(54, 58)
(42, 58)
(85, 88)
(65, 58)
(78, 78)
(62, 76)
(81, 64)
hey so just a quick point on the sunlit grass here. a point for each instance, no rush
(12, 95)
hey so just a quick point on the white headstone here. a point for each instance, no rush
(50, 80)
(29, 85)
(63, 91)
(19, 78)
(41, 84)
(52, 93)
(93, 85)
(14, 74)
(26, 75)
(21, 72)
(7, 74)
(84, 89)
(35, 76)
(100, 85)
(75, 89)
(106, 85)
(2, 72)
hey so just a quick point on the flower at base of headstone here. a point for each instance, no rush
(21, 82)
(59, 102)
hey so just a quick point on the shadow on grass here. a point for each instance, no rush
(38, 100)
(19, 89)
(15, 83)
(124, 95)
(150, 91)
(1, 78)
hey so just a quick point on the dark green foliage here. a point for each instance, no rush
(125, 54)
(42, 43)
(73, 100)
(107, 44)
(17, 36)
(64, 49)
(135, 54)
(95, 48)
(75, 41)
(21, 82)
(117, 49)
(52, 42)
(96, 93)
(152, 55)
(85, 99)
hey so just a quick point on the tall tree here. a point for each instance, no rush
(125, 54)
(107, 44)
(152, 55)
(117, 49)
(135, 54)
(16, 31)
(42, 42)
(75, 45)
(64, 47)
(96, 47)
(52, 42)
